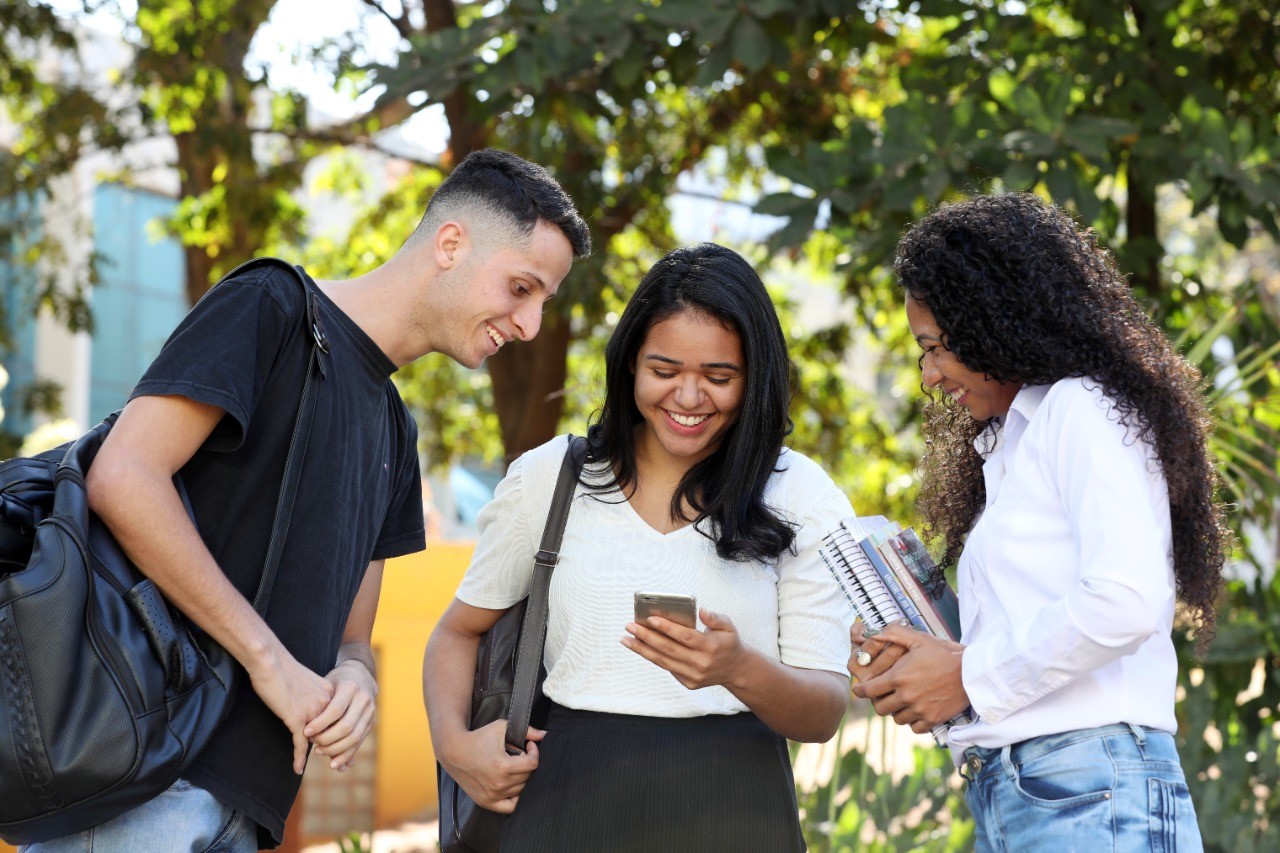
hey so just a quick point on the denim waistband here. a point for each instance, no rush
(978, 759)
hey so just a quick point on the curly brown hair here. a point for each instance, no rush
(1022, 294)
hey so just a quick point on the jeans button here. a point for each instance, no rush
(975, 765)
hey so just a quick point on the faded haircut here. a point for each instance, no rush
(501, 198)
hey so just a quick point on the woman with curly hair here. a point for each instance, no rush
(1066, 470)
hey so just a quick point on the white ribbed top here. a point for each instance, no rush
(792, 611)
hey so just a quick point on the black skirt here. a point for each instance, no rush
(618, 783)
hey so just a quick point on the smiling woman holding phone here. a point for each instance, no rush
(662, 736)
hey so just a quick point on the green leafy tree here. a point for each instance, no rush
(619, 99)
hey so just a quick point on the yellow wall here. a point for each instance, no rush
(415, 591)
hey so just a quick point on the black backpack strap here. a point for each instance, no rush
(301, 430)
(533, 631)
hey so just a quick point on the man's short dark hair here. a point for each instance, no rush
(490, 183)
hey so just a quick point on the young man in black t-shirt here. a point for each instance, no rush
(217, 407)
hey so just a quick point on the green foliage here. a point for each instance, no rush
(355, 842)
(1096, 105)
(1244, 393)
(860, 808)
(54, 123)
(1228, 721)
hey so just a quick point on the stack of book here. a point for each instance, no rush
(887, 576)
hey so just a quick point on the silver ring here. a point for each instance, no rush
(864, 657)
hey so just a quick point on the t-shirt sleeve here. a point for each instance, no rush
(404, 531)
(502, 564)
(813, 616)
(222, 353)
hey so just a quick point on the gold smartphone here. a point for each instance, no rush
(681, 609)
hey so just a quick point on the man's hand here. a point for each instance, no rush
(340, 729)
(295, 694)
(923, 689)
(478, 761)
(696, 658)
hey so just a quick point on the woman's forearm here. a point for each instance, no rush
(800, 704)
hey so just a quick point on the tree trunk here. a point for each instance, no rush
(215, 148)
(1143, 248)
(528, 386)
(195, 177)
(465, 133)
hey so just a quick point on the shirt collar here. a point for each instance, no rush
(1010, 427)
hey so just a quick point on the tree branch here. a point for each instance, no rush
(713, 197)
(341, 135)
(402, 25)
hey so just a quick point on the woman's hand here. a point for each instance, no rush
(870, 655)
(801, 704)
(696, 658)
(922, 688)
(479, 763)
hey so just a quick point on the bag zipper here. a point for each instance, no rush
(98, 636)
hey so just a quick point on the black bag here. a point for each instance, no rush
(509, 674)
(106, 692)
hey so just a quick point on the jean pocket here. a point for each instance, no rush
(232, 836)
(1172, 822)
(1073, 776)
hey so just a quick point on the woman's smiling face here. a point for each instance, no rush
(690, 376)
(984, 397)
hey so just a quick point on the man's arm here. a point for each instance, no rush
(341, 728)
(130, 487)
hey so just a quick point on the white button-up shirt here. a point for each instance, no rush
(1066, 581)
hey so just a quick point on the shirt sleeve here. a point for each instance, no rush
(813, 616)
(502, 564)
(222, 352)
(404, 531)
(1116, 504)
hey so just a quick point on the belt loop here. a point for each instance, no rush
(1006, 758)
(1140, 737)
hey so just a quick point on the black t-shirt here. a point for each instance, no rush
(244, 349)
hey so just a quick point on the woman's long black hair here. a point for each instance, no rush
(1022, 295)
(727, 487)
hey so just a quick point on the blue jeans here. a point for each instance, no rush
(1117, 788)
(181, 819)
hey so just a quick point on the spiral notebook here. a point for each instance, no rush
(887, 576)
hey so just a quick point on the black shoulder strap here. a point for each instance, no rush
(301, 431)
(533, 631)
